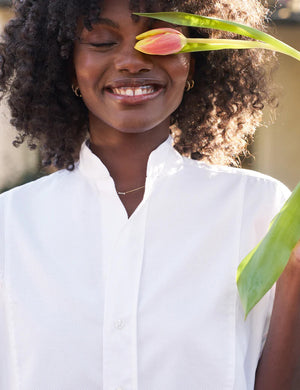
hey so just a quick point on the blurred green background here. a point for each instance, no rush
(276, 148)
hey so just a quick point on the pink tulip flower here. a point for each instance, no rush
(160, 41)
(166, 41)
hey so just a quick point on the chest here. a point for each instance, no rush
(114, 297)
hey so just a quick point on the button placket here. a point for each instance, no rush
(120, 314)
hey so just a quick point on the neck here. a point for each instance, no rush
(126, 154)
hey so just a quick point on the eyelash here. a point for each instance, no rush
(105, 44)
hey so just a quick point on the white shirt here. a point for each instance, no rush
(90, 299)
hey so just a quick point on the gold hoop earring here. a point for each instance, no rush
(76, 90)
(189, 85)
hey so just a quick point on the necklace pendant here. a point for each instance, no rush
(128, 192)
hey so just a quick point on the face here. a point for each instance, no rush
(122, 88)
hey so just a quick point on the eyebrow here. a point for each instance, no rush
(108, 22)
(111, 23)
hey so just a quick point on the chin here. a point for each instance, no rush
(130, 130)
(128, 124)
(137, 127)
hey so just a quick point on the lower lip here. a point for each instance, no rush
(133, 100)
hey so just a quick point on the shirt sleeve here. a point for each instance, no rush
(2, 316)
(281, 196)
(4, 342)
(4, 334)
(1, 242)
(263, 199)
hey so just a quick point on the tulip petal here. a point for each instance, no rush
(165, 43)
(260, 269)
(156, 31)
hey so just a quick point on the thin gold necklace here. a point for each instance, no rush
(127, 192)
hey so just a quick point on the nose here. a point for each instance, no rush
(132, 61)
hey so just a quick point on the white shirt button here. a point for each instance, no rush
(119, 324)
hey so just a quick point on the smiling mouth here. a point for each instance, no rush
(134, 91)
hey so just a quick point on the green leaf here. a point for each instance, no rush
(261, 268)
(191, 20)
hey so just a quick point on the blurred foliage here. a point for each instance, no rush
(5, 3)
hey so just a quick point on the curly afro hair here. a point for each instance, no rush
(214, 122)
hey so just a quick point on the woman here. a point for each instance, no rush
(118, 271)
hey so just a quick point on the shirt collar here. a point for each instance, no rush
(160, 161)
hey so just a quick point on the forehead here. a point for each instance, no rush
(143, 5)
(115, 9)
(89, 14)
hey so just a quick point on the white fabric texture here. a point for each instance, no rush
(90, 299)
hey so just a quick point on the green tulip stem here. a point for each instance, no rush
(204, 44)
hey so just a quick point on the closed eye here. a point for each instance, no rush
(104, 44)
(97, 44)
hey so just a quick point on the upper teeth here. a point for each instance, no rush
(133, 91)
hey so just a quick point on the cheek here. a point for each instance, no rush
(178, 67)
(86, 68)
